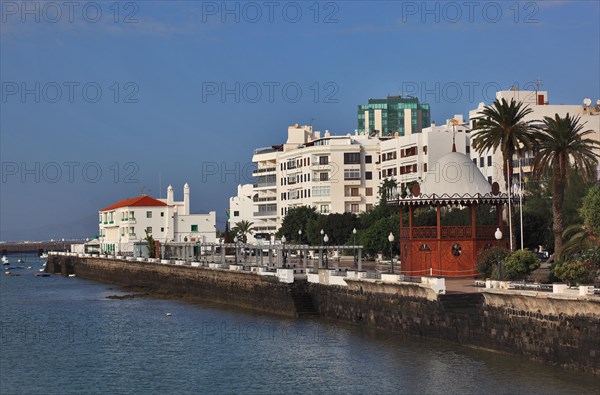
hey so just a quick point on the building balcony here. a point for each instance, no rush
(265, 185)
(316, 166)
(128, 220)
(350, 198)
(264, 199)
(265, 213)
(263, 171)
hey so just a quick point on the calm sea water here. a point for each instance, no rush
(64, 336)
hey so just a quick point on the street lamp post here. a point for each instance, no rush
(391, 239)
(300, 251)
(283, 249)
(235, 240)
(321, 249)
(498, 236)
(354, 244)
(325, 240)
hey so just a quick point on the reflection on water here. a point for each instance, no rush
(64, 336)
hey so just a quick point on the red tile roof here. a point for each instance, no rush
(140, 201)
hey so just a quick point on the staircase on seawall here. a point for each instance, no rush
(303, 302)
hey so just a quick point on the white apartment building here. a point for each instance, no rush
(335, 174)
(126, 222)
(241, 208)
(408, 158)
(490, 162)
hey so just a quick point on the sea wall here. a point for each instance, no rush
(238, 288)
(542, 327)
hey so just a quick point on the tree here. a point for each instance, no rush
(242, 229)
(583, 267)
(297, 218)
(590, 210)
(151, 244)
(520, 264)
(502, 126)
(582, 237)
(375, 238)
(489, 259)
(561, 143)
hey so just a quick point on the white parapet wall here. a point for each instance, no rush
(437, 284)
(285, 275)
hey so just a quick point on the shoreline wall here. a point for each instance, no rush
(242, 289)
(543, 327)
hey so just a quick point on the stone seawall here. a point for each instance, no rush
(541, 327)
(235, 288)
(548, 328)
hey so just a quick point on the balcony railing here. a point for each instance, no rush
(264, 199)
(265, 185)
(265, 213)
(264, 170)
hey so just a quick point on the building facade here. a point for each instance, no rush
(490, 161)
(241, 208)
(393, 115)
(125, 223)
(334, 174)
(408, 158)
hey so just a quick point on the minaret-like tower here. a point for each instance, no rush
(186, 199)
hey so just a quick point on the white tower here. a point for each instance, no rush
(186, 199)
(170, 198)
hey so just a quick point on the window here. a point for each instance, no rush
(194, 228)
(122, 231)
(425, 167)
(236, 213)
(148, 214)
(369, 206)
(162, 213)
(368, 159)
(490, 179)
(149, 230)
(475, 161)
(425, 149)
(323, 177)
(354, 192)
(481, 161)
(369, 191)
(468, 149)
(162, 229)
(352, 158)
(321, 191)
(324, 208)
(490, 160)
(351, 174)
(368, 175)
(354, 208)
(323, 160)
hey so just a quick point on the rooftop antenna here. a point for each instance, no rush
(454, 122)
(142, 190)
(538, 83)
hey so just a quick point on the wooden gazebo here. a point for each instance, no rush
(449, 251)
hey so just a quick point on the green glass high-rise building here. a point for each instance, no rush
(394, 114)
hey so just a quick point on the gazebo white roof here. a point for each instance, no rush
(455, 174)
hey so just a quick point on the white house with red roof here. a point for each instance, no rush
(127, 222)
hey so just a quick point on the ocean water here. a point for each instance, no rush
(66, 336)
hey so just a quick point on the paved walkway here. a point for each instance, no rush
(461, 285)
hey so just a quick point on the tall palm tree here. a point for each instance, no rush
(242, 228)
(562, 143)
(502, 126)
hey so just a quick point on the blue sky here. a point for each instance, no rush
(135, 91)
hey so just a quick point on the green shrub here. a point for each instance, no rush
(582, 268)
(487, 260)
(519, 265)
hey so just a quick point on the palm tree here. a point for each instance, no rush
(578, 238)
(242, 228)
(561, 143)
(502, 126)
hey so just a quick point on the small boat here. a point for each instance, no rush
(72, 275)
(7, 273)
(42, 275)
(44, 255)
(20, 260)
(41, 270)
(29, 268)
(5, 260)
(168, 314)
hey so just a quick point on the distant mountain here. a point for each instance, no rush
(78, 229)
